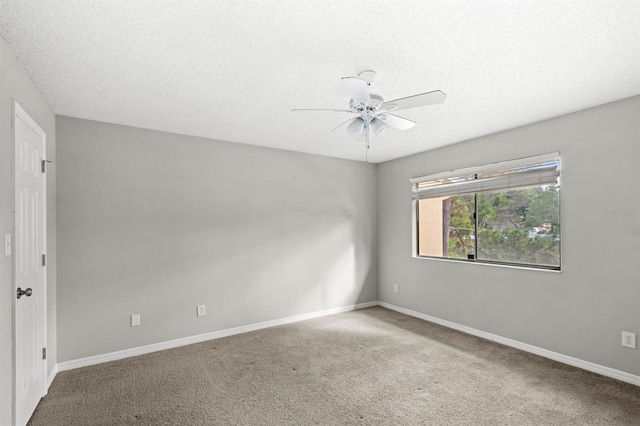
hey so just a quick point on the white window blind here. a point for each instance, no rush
(532, 171)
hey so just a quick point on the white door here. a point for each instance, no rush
(30, 234)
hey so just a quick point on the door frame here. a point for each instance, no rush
(18, 111)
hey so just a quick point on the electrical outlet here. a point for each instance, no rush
(201, 311)
(135, 320)
(628, 339)
(396, 289)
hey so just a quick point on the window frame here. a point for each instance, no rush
(521, 162)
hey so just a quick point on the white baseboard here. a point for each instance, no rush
(126, 353)
(52, 376)
(565, 359)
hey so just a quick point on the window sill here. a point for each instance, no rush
(475, 262)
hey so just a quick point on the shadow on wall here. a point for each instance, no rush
(293, 235)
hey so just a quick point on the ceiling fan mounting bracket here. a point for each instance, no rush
(368, 76)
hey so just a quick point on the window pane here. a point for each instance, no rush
(446, 227)
(520, 225)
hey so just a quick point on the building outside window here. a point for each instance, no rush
(504, 213)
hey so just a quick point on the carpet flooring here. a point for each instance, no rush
(368, 367)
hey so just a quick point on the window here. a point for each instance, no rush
(505, 213)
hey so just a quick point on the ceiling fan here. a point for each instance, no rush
(371, 111)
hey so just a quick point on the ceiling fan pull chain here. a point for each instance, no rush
(366, 148)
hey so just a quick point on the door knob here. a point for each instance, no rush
(28, 292)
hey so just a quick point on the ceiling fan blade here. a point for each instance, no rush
(316, 109)
(357, 88)
(351, 119)
(394, 121)
(423, 99)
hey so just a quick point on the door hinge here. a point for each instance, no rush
(44, 353)
(44, 260)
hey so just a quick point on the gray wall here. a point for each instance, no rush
(579, 312)
(15, 85)
(157, 223)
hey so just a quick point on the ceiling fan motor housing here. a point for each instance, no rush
(360, 106)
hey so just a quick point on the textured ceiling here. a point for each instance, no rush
(233, 70)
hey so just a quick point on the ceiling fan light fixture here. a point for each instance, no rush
(356, 127)
(378, 126)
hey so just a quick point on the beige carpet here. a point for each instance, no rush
(368, 367)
